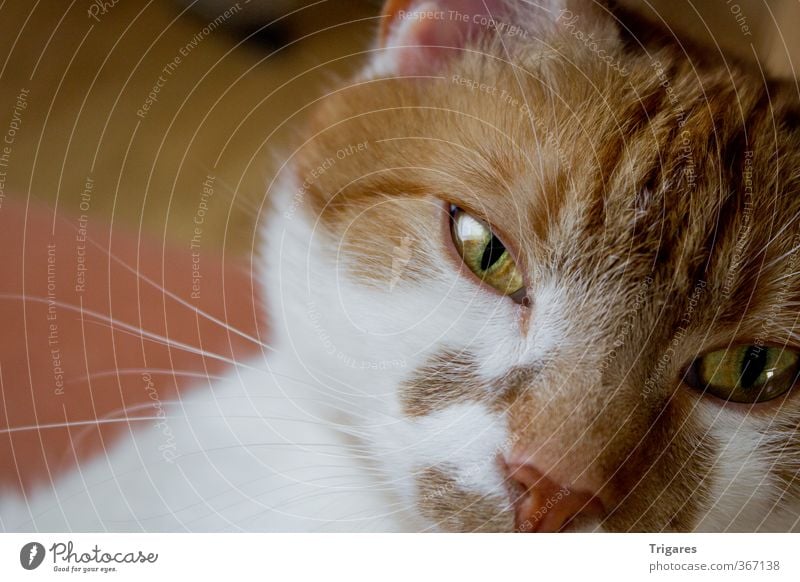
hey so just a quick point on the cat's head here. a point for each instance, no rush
(553, 273)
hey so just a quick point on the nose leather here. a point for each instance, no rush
(542, 505)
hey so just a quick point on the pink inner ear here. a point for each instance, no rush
(422, 35)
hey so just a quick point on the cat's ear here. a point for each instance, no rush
(417, 36)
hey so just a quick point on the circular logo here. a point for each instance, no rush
(31, 555)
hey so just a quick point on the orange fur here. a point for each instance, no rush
(599, 181)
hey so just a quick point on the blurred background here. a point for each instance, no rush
(247, 71)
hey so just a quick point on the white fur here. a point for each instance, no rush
(308, 438)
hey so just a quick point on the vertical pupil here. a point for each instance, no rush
(493, 251)
(755, 358)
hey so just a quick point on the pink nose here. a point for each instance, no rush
(541, 505)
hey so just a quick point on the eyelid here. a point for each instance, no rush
(693, 377)
(521, 295)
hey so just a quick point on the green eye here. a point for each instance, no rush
(485, 255)
(745, 373)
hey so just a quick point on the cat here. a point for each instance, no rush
(529, 270)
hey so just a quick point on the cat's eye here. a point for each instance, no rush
(485, 255)
(747, 373)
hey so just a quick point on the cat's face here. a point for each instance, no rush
(649, 214)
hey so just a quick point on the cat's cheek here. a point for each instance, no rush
(742, 492)
(454, 476)
(750, 487)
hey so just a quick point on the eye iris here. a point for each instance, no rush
(747, 373)
(484, 253)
